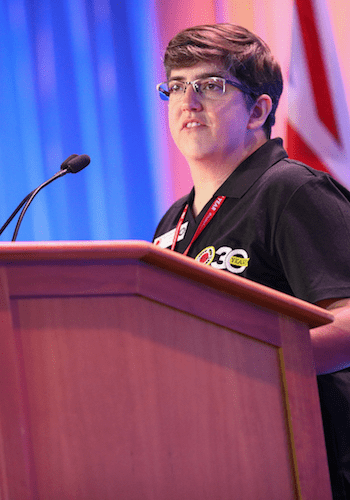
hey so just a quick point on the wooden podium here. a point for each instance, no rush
(132, 372)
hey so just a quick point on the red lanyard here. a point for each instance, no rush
(203, 223)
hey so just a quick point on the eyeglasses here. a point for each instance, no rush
(212, 88)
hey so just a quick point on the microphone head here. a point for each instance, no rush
(65, 163)
(77, 163)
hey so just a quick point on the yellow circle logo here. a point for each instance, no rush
(206, 256)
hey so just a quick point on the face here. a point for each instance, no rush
(208, 130)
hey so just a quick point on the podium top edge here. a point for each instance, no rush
(146, 252)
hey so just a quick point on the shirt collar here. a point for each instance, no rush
(253, 167)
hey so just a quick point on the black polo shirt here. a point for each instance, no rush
(282, 224)
(287, 226)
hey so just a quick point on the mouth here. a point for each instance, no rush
(192, 124)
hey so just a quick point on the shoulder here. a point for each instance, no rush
(293, 172)
(291, 178)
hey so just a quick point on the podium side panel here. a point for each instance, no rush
(304, 411)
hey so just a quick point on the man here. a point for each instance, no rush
(252, 210)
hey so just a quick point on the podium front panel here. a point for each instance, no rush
(122, 378)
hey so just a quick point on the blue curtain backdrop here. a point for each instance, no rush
(79, 76)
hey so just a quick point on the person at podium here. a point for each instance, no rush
(253, 211)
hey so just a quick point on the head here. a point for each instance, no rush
(244, 55)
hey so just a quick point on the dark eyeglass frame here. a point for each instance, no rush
(165, 95)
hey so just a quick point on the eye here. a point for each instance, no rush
(175, 87)
(212, 85)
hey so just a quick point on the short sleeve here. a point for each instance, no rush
(313, 240)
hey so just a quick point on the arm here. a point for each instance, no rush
(331, 343)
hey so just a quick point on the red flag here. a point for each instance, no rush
(318, 130)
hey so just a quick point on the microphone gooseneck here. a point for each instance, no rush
(73, 164)
(14, 213)
(18, 208)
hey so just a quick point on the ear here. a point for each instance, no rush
(259, 112)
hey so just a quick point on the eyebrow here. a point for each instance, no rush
(209, 74)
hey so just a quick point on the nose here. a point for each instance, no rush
(191, 99)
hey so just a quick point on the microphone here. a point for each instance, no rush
(66, 161)
(73, 164)
(15, 212)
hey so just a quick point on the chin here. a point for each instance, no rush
(195, 156)
(197, 153)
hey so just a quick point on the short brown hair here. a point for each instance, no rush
(243, 54)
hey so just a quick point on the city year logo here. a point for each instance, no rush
(206, 256)
(233, 260)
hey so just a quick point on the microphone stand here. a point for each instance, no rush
(31, 197)
(72, 164)
(15, 212)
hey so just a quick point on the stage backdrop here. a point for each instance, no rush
(79, 76)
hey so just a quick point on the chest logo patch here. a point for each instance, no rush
(206, 256)
(233, 260)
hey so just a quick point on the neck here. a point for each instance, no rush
(209, 175)
(206, 183)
